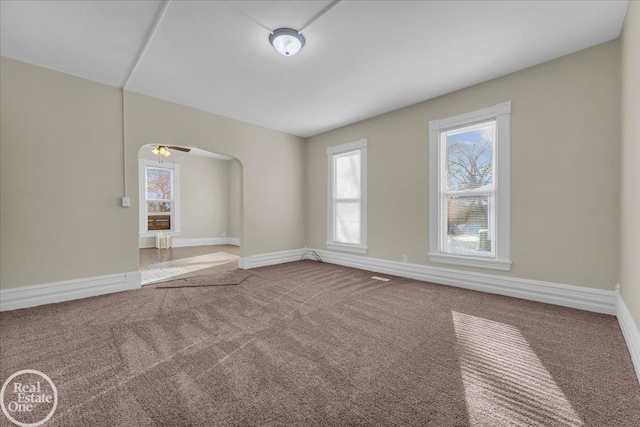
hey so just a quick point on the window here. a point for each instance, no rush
(469, 189)
(347, 197)
(159, 202)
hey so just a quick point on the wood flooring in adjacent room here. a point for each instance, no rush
(310, 343)
(160, 265)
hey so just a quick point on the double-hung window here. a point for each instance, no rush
(159, 202)
(347, 197)
(469, 189)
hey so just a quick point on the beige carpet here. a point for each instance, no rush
(307, 343)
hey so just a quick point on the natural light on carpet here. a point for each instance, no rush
(505, 382)
(166, 270)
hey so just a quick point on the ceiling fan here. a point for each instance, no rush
(164, 150)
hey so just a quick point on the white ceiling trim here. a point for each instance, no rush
(152, 30)
(251, 18)
(319, 15)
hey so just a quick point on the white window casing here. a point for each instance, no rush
(347, 237)
(498, 194)
(143, 164)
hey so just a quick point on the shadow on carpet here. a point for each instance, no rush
(226, 278)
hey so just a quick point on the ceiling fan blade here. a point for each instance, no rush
(173, 147)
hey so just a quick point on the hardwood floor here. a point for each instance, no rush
(161, 265)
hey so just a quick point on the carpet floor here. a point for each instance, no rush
(308, 343)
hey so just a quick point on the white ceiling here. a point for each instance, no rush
(361, 59)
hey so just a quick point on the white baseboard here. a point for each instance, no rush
(150, 242)
(583, 298)
(235, 241)
(596, 300)
(205, 241)
(31, 296)
(629, 331)
(272, 258)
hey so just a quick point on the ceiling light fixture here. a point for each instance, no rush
(286, 41)
(161, 149)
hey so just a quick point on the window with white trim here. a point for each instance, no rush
(469, 189)
(347, 197)
(159, 197)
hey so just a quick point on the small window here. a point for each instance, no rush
(159, 197)
(469, 200)
(159, 186)
(347, 197)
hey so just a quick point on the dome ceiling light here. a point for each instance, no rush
(287, 42)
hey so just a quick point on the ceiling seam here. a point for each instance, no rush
(304, 27)
(249, 16)
(319, 15)
(150, 32)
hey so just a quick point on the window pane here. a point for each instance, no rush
(347, 222)
(348, 175)
(158, 207)
(159, 184)
(470, 157)
(469, 225)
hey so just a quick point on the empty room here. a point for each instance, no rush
(319, 213)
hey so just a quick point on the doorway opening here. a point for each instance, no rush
(190, 213)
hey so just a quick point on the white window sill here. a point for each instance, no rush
(491, 264)
(359, 249)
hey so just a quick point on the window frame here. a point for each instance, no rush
(501, 246)
(143, 164)
(362, 146)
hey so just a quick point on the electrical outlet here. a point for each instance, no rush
(126, 202)
(224, 234)
(405, 258)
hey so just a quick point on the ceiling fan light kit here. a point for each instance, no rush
(161, 149)
(286, 41)
(164, 150)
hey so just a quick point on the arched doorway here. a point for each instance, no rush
(190, 212)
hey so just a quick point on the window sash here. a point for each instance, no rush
(158, 213)
(151, 199)
(353, 201)
(445, 194)
(336, 200)
(444, 225)
(146, 184)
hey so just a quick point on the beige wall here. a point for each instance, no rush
(272, 162)
(62, 174)
(564, 170)
(204, 195)
(630, 168)
(60, 179)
